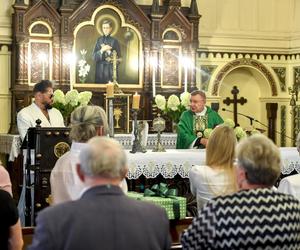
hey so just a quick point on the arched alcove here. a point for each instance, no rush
(254, 87)
(249, 63)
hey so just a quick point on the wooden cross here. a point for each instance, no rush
(114, 59)
(235, 102)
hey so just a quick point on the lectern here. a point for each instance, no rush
(41, 148)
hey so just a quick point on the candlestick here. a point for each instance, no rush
(43, 72)
(136, 146)
(111, 116)
(110, 90)
(154, 64)
(136, 101)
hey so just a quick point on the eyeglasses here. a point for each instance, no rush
(49, 94)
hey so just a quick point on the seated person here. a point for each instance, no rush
(86, 122)
(256, 217)
(218, 176)
(193, 122)
(104, 217)
(5, 183)
(10, 227)
(41, 109)
(291, 184)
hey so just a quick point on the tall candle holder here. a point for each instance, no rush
(111, 116)
(136, 146)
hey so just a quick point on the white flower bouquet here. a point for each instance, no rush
(67, 103)
(173, 107)
(83, 67)
(240, 133)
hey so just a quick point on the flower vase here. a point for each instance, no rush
(174, 127)
(67, 120)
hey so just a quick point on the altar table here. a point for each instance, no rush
(151, 164)
(180, 161)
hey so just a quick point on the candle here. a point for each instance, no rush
(185, 77)
(43, 70)
(153, 81)
(110, 90)
(136, 101)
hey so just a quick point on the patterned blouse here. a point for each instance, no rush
(249, 219)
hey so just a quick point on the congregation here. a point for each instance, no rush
(238, 204)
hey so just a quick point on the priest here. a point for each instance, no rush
(193, 122)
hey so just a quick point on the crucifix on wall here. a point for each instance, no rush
(235, 102)
(114, 60)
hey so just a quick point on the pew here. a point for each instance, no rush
(176, 228)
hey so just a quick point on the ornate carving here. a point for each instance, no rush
(281, 74)
(179, 28)
(283, 126)
(296, 122)
(297, 76)
(46, 20)
(66, 24)
(40, 29)
(20, 22)
(56, 61)
(206, 73)
(244, 62)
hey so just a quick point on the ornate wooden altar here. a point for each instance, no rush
(52, 38)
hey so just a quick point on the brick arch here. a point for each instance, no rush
(244, 62)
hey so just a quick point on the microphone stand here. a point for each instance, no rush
(252, 119)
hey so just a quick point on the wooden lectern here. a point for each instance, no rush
(43, 147)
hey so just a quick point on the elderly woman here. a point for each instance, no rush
(256, 217)
(86, 122)
(217, 176)
(291, 184)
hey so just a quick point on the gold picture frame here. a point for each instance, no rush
(131, 66)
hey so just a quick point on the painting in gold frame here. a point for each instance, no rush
(171, 71)
(129, 69)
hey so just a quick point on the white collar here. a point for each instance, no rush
(202, 113)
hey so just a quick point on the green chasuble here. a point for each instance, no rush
(186, 127)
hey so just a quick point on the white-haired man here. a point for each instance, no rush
(103, 218)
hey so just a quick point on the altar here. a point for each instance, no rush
(146, 169)
(151, 164)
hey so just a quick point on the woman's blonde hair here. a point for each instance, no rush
(84, 123)
(220, 150)
(220, 153)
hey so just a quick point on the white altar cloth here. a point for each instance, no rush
(172, 162)
(168, 164)
(150, 164)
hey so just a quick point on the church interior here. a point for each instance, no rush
(245, 55)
